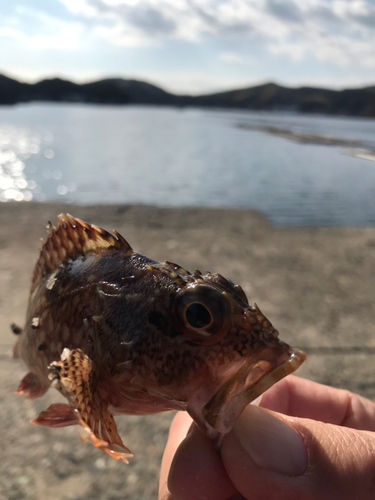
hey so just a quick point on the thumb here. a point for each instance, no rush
(269, 455)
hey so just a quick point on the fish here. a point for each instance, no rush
(116, 332)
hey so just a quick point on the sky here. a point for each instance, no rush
(191, 46)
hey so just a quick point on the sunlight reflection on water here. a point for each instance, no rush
(16, 145)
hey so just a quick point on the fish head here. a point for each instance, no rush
(218, 352)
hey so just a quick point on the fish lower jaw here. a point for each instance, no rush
(219, 414)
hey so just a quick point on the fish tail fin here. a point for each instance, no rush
(75, 377)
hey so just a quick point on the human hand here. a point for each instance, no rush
(320, 445)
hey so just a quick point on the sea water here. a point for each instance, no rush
(187, 157)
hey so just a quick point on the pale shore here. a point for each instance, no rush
(316, 285)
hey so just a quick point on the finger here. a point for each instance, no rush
(298, 397)
(197, 471)
(299, 458)
(177, 433)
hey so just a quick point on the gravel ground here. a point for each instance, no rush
(316, 285)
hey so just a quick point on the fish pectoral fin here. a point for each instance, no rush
(57, 415)
(76, 378)
(31, 386)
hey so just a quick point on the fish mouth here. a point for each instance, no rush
(249, 382)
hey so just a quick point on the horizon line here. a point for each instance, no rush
(261, 83)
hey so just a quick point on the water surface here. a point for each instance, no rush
(186, 157)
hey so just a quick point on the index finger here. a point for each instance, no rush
(299, 397)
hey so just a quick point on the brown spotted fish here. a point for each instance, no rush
(118, 333)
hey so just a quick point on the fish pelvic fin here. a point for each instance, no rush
(73, 238)
(31, 386)
(57, 415)
(75, 377)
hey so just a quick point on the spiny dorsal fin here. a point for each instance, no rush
(72, 238)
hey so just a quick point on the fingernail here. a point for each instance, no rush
(270, 442)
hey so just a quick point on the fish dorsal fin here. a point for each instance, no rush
(73, 238)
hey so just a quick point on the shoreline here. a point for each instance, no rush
(358, 148)
(316, 285)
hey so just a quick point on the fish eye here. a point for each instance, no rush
(202, 314)
(197, 315)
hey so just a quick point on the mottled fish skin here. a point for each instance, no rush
(117, 332)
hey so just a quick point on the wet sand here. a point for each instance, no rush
(316, 285)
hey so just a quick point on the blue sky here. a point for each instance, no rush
(191, 46)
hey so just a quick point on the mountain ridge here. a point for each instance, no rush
(266, 97)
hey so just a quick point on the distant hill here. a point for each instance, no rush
(353, 102)
(109, 91)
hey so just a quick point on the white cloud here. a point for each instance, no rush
(80, 7)
(10, 32)
(66, 38)
(338, 50)
(338, 31)
(232, 57)
(45, 31)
